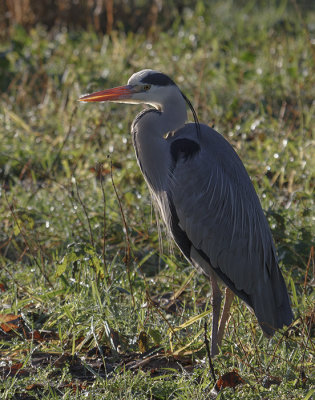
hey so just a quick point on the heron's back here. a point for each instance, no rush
(218, 223)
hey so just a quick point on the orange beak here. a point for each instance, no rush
(117, 93)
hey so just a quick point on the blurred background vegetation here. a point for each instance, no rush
(248, 69)
(102, 16)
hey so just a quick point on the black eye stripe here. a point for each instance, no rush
(157, 78)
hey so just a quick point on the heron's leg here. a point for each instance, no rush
(229, 296)
(216, 306)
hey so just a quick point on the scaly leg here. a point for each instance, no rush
(229, 296)
(216, 306)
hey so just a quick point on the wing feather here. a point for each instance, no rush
(219, 211)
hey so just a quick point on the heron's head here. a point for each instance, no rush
(146, 86)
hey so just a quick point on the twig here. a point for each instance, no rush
(104, 220)
(127, 248)
(209, 354)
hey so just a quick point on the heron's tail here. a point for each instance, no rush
(272, 304)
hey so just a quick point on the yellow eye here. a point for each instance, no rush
(146, 87)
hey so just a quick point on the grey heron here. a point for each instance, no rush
(206, 200)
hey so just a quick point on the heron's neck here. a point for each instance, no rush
(149, 129)
(173, 113)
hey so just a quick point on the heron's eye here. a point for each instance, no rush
(146, 87)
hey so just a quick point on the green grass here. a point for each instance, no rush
(65, 265)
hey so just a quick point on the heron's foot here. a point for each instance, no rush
(214, 348)
(229, 296)
(219, 328)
